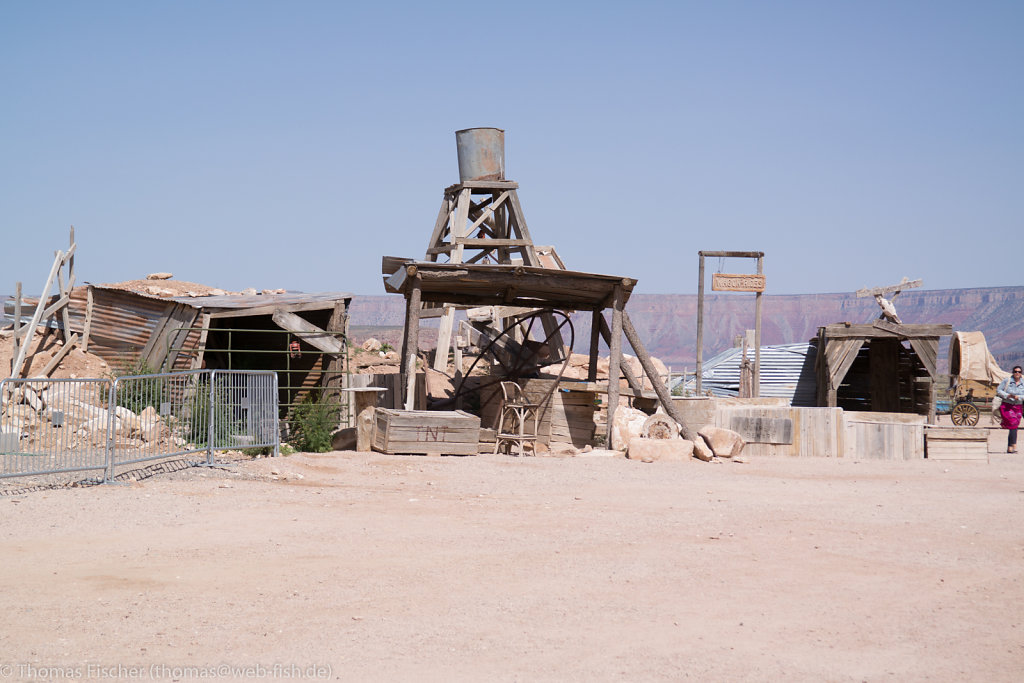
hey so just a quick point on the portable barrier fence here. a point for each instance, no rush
(53, 426)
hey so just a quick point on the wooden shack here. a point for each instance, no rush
(879, 367)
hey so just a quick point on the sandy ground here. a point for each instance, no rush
(350, 566)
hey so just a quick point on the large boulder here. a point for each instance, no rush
(628, 423)
(724, 443)
(652, 450)
(150, 426)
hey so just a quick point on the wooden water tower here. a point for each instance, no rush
(481, 220)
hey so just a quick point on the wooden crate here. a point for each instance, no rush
(426, 431)
(883, 436)
(956, 443)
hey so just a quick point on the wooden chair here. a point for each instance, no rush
(517, 420)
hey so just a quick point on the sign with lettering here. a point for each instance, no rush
(732, 282)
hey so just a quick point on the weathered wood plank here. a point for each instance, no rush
(307, 331)
(849, 330)
(880, 291)
(764, 429)
(19, 360)
(417, 431)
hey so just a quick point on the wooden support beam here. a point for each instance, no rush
(444, 334)
(882, 291)
(204, 324)
(632, 380)
(59, 356)
(30, 332)
(596, 322)
(16, 337)
(614, 356)
(700, 449)
(927, 349)
(440, 225)
(839, 357)
(410, 345)
(517, 223)
(308, 332)
(866, 330)
(88, 317)
(732, 254)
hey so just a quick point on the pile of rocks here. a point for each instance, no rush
(648, 438)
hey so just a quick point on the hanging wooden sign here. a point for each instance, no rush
(733, 282)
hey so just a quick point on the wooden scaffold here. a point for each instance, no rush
(24, 334)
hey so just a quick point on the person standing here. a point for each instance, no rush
(1011, 390)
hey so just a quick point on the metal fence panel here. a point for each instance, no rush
(49, 426)
(179, 413)
(247, 407)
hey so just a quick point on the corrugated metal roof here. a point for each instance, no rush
(239, 301)
(787, 371)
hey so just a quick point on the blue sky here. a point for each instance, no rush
(292, 144)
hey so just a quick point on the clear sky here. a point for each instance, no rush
(292, 144)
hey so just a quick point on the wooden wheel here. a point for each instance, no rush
(511, 360)
(965, 414)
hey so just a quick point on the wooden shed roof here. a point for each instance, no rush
(508, 285)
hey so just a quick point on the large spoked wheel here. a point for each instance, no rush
(965, 414)
(512, 360)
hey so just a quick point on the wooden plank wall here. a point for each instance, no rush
(816, 432)
(883, 436)
(831, 432)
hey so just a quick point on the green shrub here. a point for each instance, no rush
(137, 395)
(314, 421)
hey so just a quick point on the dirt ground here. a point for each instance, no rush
(351, 566)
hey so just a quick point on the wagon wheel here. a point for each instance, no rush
(965, 414)
(514, 360)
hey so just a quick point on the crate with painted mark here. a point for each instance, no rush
(435, 432)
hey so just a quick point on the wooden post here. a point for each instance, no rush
(700, 322)
(30, 331)
(334, 364)
(197, 362)
(596, 320)
(757, 333)
(88, 318)
(17, 325)
(700, 449)
(631, 379)
(410, 346)
(614, 355)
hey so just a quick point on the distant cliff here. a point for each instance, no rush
(667, 323)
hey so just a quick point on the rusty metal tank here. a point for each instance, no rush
(481, 153)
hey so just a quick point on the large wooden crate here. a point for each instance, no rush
(956, 443)
(426, 432)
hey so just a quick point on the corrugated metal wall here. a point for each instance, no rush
(787, 371)
(122, 322)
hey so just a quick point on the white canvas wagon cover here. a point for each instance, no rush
(969, 358)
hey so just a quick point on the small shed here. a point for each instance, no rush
(172, 325)
(879, 367)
